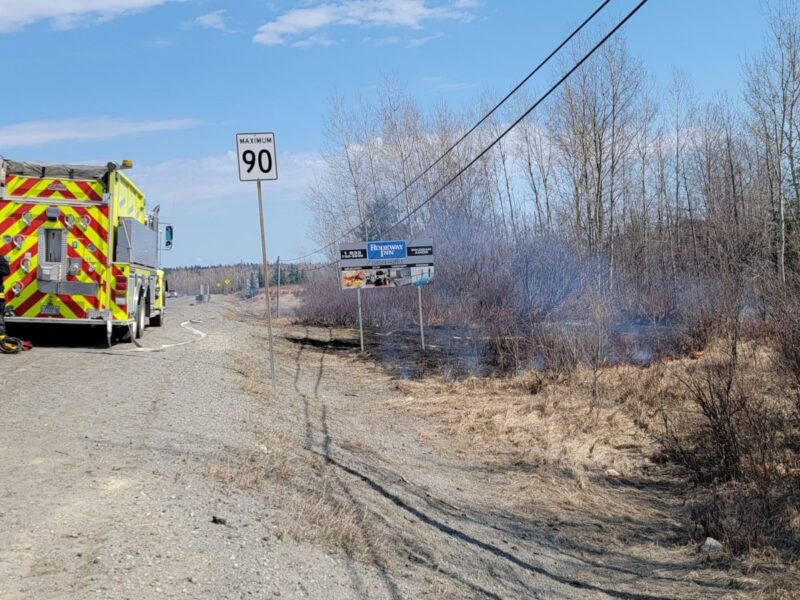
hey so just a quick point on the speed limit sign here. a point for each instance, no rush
(257, 162)
(256, 154)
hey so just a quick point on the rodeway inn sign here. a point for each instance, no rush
(386, 250)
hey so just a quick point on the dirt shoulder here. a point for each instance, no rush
(178, 472)
(435, 511)
(106, 482)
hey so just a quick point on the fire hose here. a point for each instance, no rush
(8, 344)
(12, 345)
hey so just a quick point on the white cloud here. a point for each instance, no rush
(216, 177)
(314, 40)
(216, 215)
(33, 133)
(421, 41)
(410, 14)
(384, 41)
(213, 20)
(64, 14)
(394, 40)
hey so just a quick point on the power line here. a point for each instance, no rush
(452, 147)
(530, 109)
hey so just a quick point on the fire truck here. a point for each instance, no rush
(82, 248)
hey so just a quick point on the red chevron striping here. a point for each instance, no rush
(27, 279)
(66, 193)
(72, 253)
(87, 189)
(29, 303)
(98, 254)
(93, 222)
(25, 186)
(17, 263)
(73, 306)
(93, 275)
(6, 224)
(45, 193)
(14, 217)
(29, 229)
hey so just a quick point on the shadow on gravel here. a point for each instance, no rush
(324, 345)
(482, 545)
(61, 336)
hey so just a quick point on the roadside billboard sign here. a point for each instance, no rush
(386, 264)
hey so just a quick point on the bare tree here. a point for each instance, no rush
(772, 92)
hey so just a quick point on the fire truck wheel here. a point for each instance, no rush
(122, 333)
(139, 320)
(157, 320)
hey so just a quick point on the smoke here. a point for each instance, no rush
(500, 305)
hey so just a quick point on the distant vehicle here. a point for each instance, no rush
(82, 248)
(172, 294)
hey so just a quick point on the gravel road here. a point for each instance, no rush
(174, 472)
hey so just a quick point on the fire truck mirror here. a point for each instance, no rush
(168, 236)
(166, 285)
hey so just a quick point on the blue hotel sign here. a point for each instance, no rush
(386, 250)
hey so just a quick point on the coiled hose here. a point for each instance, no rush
(11, 345)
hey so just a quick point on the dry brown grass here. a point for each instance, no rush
(314, 505)
(330, 519)
(644, 416)
(545, 418)
(548, 418)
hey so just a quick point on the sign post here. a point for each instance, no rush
(278, 299)
(360, 320)
(421, 323)
(257, 162)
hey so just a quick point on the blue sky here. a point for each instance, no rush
(168, 83)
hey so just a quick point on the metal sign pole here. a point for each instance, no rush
(266, 283)
(421, 324)
(360, 320)
(278, 299)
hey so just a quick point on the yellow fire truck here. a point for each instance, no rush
(82, 248)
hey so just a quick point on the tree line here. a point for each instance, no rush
(654, 191)
(225, 279)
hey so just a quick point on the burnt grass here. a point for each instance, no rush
(452, 352)
(457, 352)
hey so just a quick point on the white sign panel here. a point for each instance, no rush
(256, 154)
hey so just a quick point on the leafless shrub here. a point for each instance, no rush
(740, 444)
(749, 516)
(786, 332)
(324, 303)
